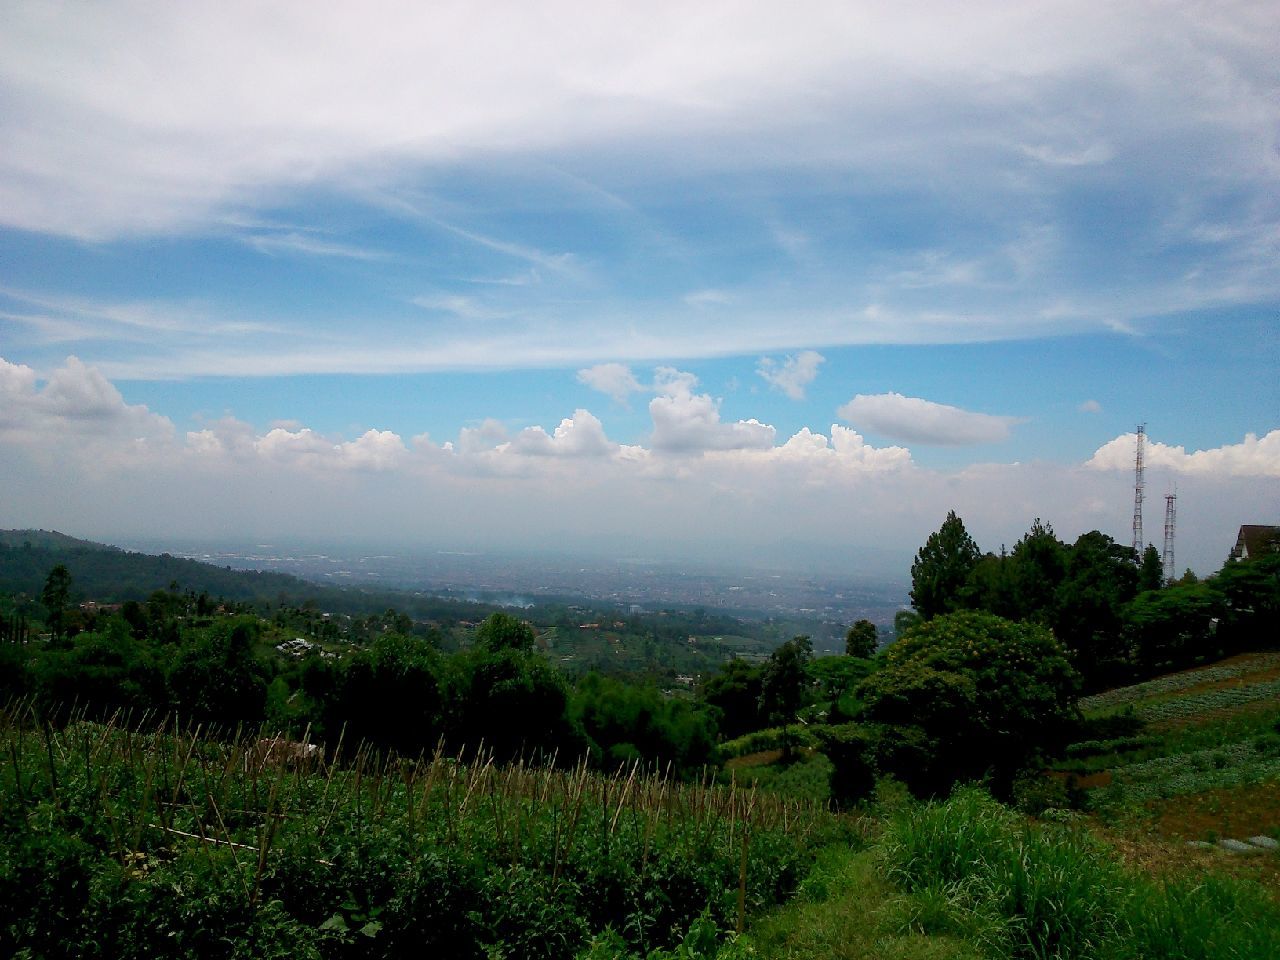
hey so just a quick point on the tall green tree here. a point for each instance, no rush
(1089, 608)
(1037, 566)
(734, 693)
(1151, 570)
(785, 680)
(861, 640)
(55, 596)
(941, 568)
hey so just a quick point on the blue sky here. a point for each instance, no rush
(593, 273)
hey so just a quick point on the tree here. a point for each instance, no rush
(969, 694)
(1089, 608)
(501, 631)
(861, 640)
(218, 679)
(734, 693)
(1037, 566)
(390, 695)
(941, 568)
(784, 681)
(55, 596)
(1151, 571)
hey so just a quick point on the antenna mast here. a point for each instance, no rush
(1139, 544)
(1169, 500)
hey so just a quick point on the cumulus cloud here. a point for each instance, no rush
(77, 400)
(793, 374)
(923, 421)
(818, 457)
(581, 435)
(613, 379)
(1090, 406)
(1252, 457)
(688, 422)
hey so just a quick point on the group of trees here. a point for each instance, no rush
(1109, 607)
(399, 691)
(982, 679)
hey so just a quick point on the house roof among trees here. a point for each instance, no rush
(1255, 539)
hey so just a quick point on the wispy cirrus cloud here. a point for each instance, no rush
(793, 374)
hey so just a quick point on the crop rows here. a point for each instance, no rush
(164, 833)
(1178, 681)
(1180, 708)
(1250, 761)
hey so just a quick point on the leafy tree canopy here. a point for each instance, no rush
(862, 639)
(984, 695)
(502, 631)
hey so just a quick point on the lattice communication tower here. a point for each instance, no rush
(1139, 544)
(1169, 509)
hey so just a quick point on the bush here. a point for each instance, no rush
(851, 750)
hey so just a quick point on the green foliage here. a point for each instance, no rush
(124, 844)
(835, 680)
(513, 702)
(941, 568)
(969, 694)
(862, 640)
(626, 721)
(851, 750)
(734, 692)
(502, 631)
(1174, 627)
(1057, 892)
(798, 735)
(390, 694)
(219, 680)
(784, 682)
(1089, 608)
(1150, 570)
(55, 595)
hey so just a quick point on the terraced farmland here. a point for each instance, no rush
(1202, 767)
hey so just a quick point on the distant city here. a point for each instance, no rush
(632, 584)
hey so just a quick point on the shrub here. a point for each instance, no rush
(851, 750)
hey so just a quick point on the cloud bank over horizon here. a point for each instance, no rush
(697, 472)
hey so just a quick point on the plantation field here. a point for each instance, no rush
(128, 842)
(1202, 764)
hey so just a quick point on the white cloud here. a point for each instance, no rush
(581, 435)
(793, 374)
(479, 439)
(1252, 457)
(688, 422)
(76, 401)
(175, 128)
(1090, 406)
(708, 298)
(613, 379)
(923, 421)
(71, 458)
(372, 450)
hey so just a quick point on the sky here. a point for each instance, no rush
(737, 282)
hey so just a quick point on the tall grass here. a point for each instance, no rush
(1054, 892)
